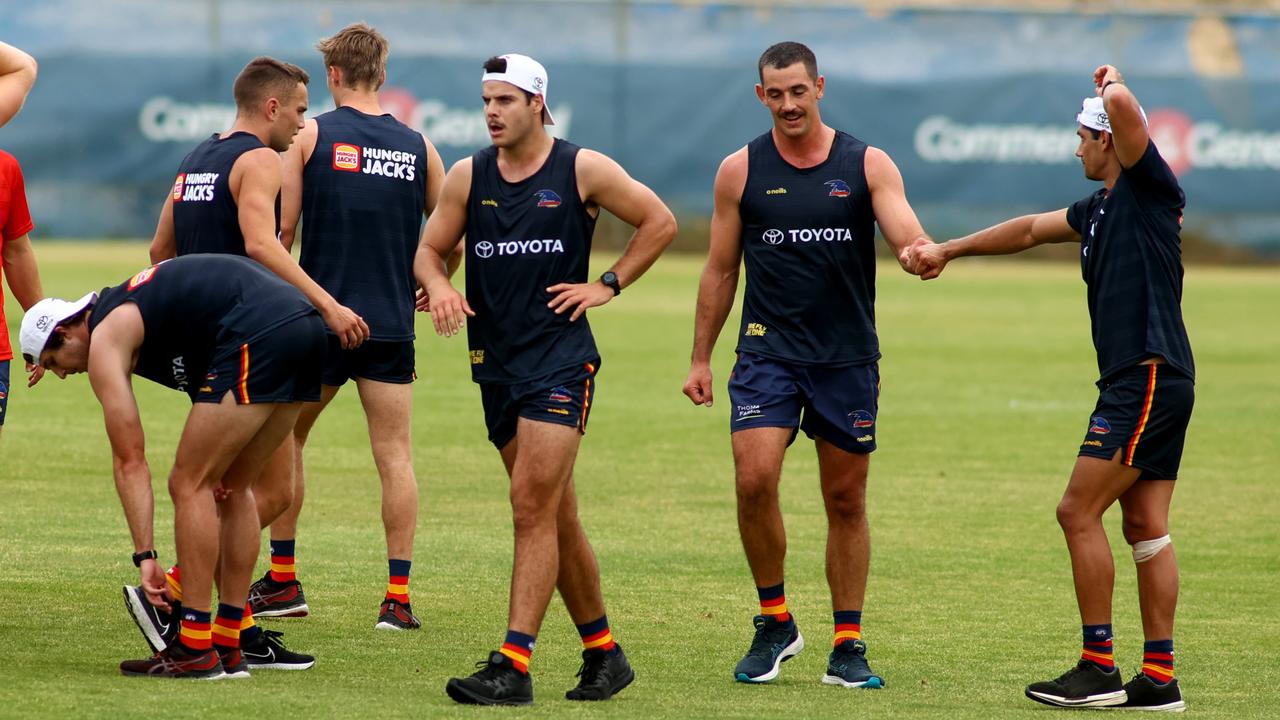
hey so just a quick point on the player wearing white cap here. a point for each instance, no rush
(1131, 260)
(528, 205)
(246, 347)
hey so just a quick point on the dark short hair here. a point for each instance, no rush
(1096, 133)
(497, 64)
(265, 77)
(786, 54)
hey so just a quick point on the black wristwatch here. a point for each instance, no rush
(610, 279)
(144, 555)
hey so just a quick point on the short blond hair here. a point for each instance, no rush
(360, 52)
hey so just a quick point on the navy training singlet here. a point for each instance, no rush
(363, 194)
(522, 238)
(808, 239)
(1131, 260)
(205, 216)
(195, 304)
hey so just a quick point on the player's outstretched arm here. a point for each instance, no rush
(1128, 128)
(17, 75)
(114, 344)
(164, 244)
(898, 222)
(1006, 238)
(603, 182)
(292, 163)
(255, 181)
(440, 238)
(719, 282)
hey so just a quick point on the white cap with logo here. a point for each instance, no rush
(527, 74)
(1093, 115)
(42, 318)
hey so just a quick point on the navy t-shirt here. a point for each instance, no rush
(808, 239)
(1131, 259)
(522, 238)
(206, 218)
(363, 194)
(195, 305)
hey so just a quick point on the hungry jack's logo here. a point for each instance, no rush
(177, 186)
(346, 157)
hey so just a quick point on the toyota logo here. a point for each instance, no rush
(773, 237)
(484, 249)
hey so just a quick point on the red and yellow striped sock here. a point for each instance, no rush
(248, 628)
(173, 578)
(196, 633)
(773, 602)
(1157, 660)
(848, 625)
(226, 626)
(596, 635)
(1098, 648)
(283, 568)
(519, 647)
(398, 580)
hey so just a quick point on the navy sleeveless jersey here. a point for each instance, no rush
(363, 194)
(522, 238)
(193, 305)
(1131, 259)
(205, 216)
(808, 239)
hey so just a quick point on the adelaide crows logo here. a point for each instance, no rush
(839, 188)
(547, 198)
(862, 419)
(1099, 425)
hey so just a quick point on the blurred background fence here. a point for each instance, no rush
(974, 101)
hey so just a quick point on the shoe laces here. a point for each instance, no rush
(272, 637)
(594, 664)
(1080, 667)
(769, 642)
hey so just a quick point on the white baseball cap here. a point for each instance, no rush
(527, 74)
(1093, 115)
(42, 318)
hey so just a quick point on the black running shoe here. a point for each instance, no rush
(603, 674)
(497, 682)
(268, 598)
(1085, 685)
(160, 628)
(176, 661)
(848, 667)
(1143, 693)
(267, 652)
(396, 615)
(233, 663)
(775, 643)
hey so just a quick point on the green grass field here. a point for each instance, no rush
(987, 387)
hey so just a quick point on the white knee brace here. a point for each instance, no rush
(1144, 550)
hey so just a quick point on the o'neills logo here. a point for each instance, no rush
(346, 157)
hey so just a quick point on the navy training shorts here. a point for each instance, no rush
(835, 403)
(564, 399)
(1142, 413)
(282, 366)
